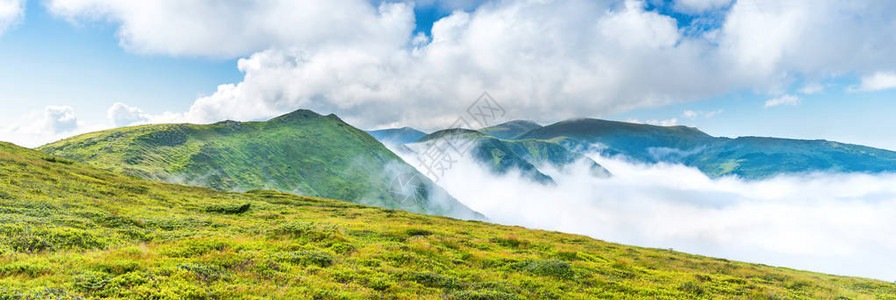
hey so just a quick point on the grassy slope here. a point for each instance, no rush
(509, 130)
(74, 231)
(748, 157)
(301, 152)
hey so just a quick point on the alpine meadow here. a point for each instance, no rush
(433, 149)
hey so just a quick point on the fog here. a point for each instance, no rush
(841, 224)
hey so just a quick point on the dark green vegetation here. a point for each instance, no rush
(510, 130)
(527, 147)
(747, 157)
(300, 152)
(397, 136)
(526, 156)
(757, 157)
(74, 231)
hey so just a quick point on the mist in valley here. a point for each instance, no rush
(825, 222)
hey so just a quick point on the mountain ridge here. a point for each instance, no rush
(397, 136)
(746, 157)
(300, 152)
(528, 157)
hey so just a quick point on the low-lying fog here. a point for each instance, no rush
(833, 223)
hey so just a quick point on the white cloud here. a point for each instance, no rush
(123, 115)
(790, 100)
(667, 122)
(833, 223)
(524, 53)
(543, 60)
(772, 43)
(876, 82)
(40, 127)
(693, 114)
(11, 13)
(812, 88)
(236, 28)
(60, 119)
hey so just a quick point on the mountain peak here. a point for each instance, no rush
(301, 114)
(449, 132)
(517, 123)
(591, 127)
(397, 136)
(511, 129)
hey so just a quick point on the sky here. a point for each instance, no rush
(797, 69)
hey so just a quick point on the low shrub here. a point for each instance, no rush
(553, 268)
(232, 209)
(510, 242)
(204, 272)
(306, 258)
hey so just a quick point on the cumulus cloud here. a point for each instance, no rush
(39, 127)
(123, 115)
(522, 52)
(790, 100)
(546, 60)
(59, 119)
(876, 82)
(236, 28)
(833, 223)
(772, 41)
(11, 13)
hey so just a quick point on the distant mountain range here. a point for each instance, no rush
(510, 130)
(529, 157)
(509, 146)
(397, 136)
(301, 152)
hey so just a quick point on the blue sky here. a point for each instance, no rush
(48, 61)
(70, 58)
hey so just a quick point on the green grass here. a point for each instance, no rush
(301, 152)
(73, 231)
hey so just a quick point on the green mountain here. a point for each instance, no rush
(300, 152)
(526, 156)
(397, 136)
(759, 157)
(71, 231)
(510, 130)
(746, 157)
(636, 141)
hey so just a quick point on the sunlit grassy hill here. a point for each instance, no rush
(301, 152)
(72, 231)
